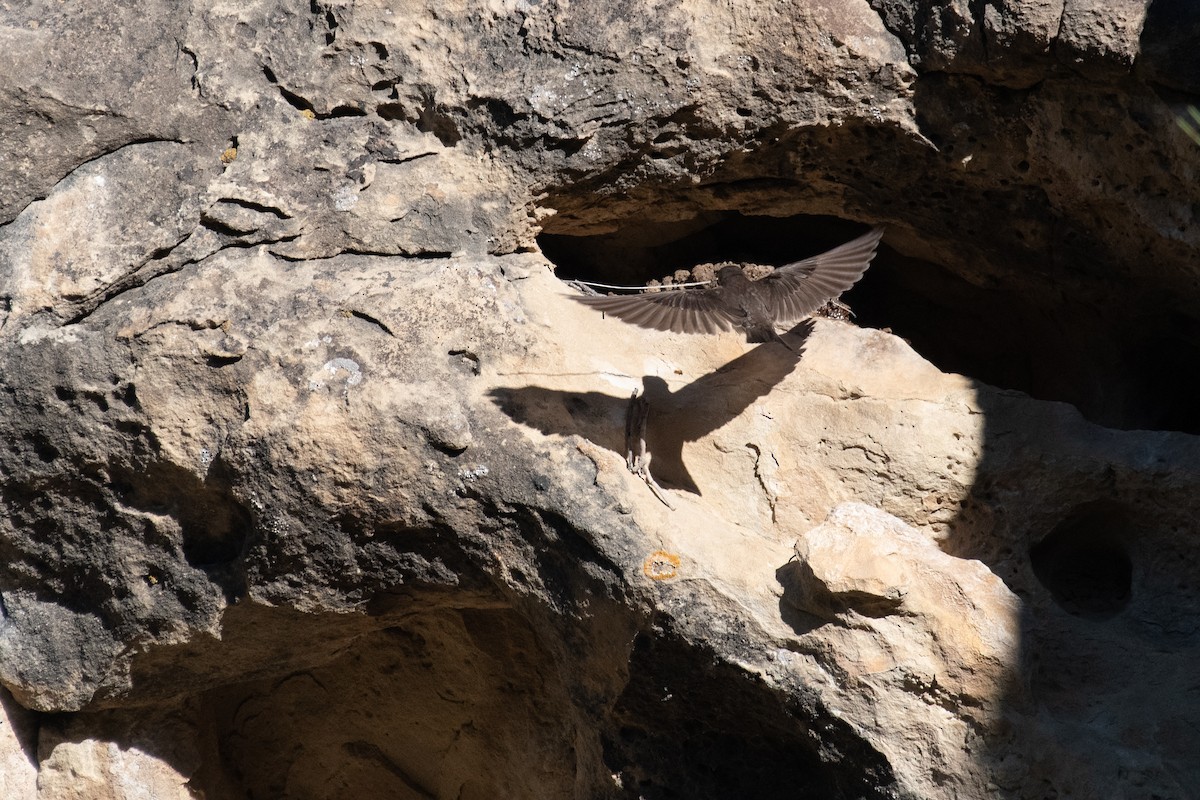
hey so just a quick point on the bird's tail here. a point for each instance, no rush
(766, 333)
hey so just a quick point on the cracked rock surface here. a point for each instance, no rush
(314, 482)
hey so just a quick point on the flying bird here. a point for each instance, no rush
(787, 295)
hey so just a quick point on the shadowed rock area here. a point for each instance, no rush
(314, 481)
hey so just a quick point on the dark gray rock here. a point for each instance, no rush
(312, 486)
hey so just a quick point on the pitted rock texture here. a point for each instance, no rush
(314, 484)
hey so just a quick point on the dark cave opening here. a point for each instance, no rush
(1085, 563)
(689, 725)
(642, 251)
(1165, 388)
(1121, 370)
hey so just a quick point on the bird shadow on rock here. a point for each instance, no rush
(675, 418)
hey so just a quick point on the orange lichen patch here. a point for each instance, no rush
(660, 565)
(229, 155)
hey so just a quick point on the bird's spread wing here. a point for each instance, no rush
(799, 289)
(679, 311)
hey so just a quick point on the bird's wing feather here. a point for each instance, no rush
(799, 289)
(678, 311)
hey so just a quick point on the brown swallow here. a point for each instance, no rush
(787, 295)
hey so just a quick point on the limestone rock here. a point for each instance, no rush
(83, 761)
(18, 750)
(928, 640)
(314, 484)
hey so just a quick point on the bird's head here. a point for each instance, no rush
(730, 275)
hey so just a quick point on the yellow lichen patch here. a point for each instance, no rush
(660, 565)
(308, 113)
(229, 155)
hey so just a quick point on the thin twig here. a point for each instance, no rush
(644, 288)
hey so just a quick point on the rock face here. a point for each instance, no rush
(314, 483)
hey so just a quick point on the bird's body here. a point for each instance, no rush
(755, 307)
(750, 310)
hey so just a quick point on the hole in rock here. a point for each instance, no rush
(1122, 370)
(1164, 389)
(1085, 563)
(689, 725)
(638, 252)
(213, 525)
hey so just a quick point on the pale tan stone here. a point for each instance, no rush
(18, 765)
(101, 770)
(307, 447)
